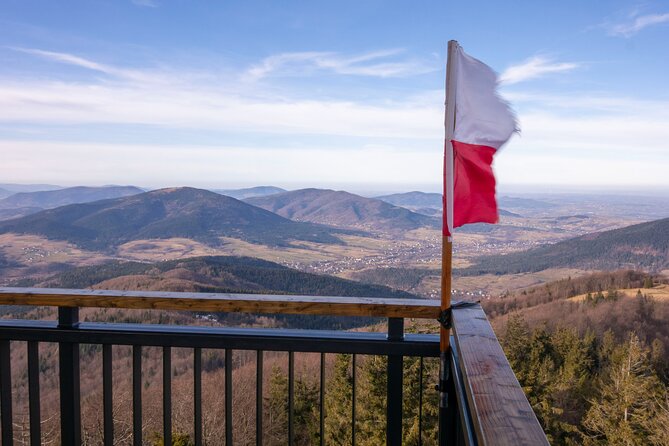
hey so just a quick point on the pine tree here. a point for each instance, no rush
(626, 401)
(338, 397)
(276, 409)
(372, 397)
(412, 432)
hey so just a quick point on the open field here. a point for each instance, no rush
(494, 285)
(659, 292)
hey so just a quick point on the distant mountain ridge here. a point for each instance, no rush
(414, 199)
(641, 246)
(343, 209)
(166, 213)
(426, 203)
(215, 274)
(15, 188)
(5, 193)
(62, 197)
(250, 192)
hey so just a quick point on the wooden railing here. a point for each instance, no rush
(486, 405)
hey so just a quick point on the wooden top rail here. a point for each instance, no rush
(222, 302)
(501, 414)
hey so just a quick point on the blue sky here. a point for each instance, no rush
(325, 94)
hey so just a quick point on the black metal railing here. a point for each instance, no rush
(476, 381)
(69, 333)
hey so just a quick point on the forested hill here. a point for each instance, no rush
(225, 274)
(642, 246)
(591, 356)
(343, 209)
(178, 212)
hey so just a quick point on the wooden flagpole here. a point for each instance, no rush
(446, 423)
(447, 241)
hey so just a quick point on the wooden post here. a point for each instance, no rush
(446, 428)
(447, 241)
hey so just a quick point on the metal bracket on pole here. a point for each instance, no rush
(445, 318)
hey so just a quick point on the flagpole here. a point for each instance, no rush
(447, 240)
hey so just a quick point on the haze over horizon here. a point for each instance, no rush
(157, 93)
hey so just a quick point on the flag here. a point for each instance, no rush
(483, 123)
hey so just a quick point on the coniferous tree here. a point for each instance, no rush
(372, 407)
(628, 394)
(338, 397)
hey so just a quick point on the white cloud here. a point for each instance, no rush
(157, 165)
(535, 67)
(640, 22)
(374, 64)
(597, 134)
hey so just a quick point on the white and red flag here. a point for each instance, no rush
(481, 124)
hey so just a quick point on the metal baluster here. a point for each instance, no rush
(322, 403)
(167, 396)
(6, 393)
(228, 397)
(353, 361)
(137, 395)
(33, 393)
(68, 354)
(197, 396)
(259, 401)
(108, 405)
(394, 386)
(291, 398)
(420, 402)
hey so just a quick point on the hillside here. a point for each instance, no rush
(62, 197)
(225, 274)
(614, 304)
(250, 192)
(5, 193)
(343, 209)
(642, 246)
(579, 358)
(181, 212)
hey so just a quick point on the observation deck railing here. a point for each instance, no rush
(485, 403)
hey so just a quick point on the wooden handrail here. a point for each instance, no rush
(501, 414)
(222, 302)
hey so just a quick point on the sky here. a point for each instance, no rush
(345, 94)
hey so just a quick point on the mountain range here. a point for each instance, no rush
(15, 187)
(223, 274)
(343, 209)
(250, 192)
(165, 213)
(641, 246)
(61, 197)
(426, 203)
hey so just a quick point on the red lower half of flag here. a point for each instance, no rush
(474, 185)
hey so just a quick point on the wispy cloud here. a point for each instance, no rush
(566, 126)
(70, 59)
(535, 67)
(375, 64)
(638, 23)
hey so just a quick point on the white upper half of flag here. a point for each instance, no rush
(481, 116)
